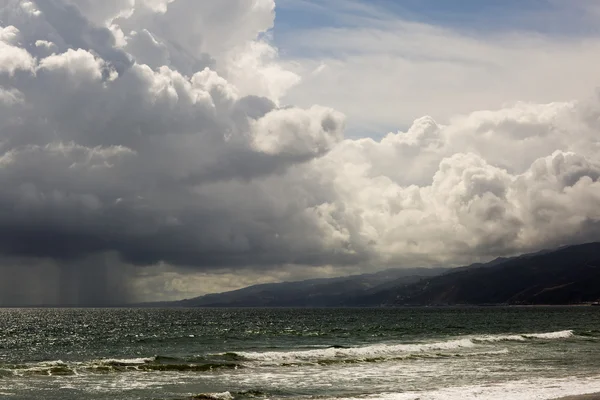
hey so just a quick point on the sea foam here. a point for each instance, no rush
(214, 396)
(126, 361)
(524, 336)
(366, 352)
(391, 351)
(531, 389)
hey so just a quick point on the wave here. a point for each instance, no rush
(551, 335)
(112, 365)
(468, 346)
(356, 353)
(524, 336)
(124, 362)
(541, 388)
(244, 394)
(49, 368)
(379, 352)
(213, 396)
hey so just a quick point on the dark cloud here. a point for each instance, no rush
(94, 280)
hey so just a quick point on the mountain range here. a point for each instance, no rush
(567, 275)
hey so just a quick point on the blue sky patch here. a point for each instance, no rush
(552, 17)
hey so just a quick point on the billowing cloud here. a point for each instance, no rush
(489, 183)
(146, 133)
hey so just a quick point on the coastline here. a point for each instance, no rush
(591, 396)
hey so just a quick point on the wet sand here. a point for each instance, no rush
(594, 396)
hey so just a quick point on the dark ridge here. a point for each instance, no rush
(569, 275)
(327, 292)
(564, 276)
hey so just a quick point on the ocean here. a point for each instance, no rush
(404, 354)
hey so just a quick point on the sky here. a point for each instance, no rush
(164, 149)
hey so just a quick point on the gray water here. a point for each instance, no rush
(420, 353)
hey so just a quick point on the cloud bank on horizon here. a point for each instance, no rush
(142, 141)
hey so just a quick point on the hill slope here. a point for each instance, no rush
(328, 292)
(565, 276)
(568, 275)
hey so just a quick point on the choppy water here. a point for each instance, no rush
(425, 353)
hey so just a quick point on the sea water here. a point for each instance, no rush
(404, 354)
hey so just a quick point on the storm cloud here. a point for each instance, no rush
(139, 133)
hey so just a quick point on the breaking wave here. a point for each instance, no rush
(525, 336)
(378, 352)
(541, 388)
(213, 396)
(356, 353)
(471, 346)
(111, 365)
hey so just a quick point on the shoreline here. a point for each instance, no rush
(591, 396)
